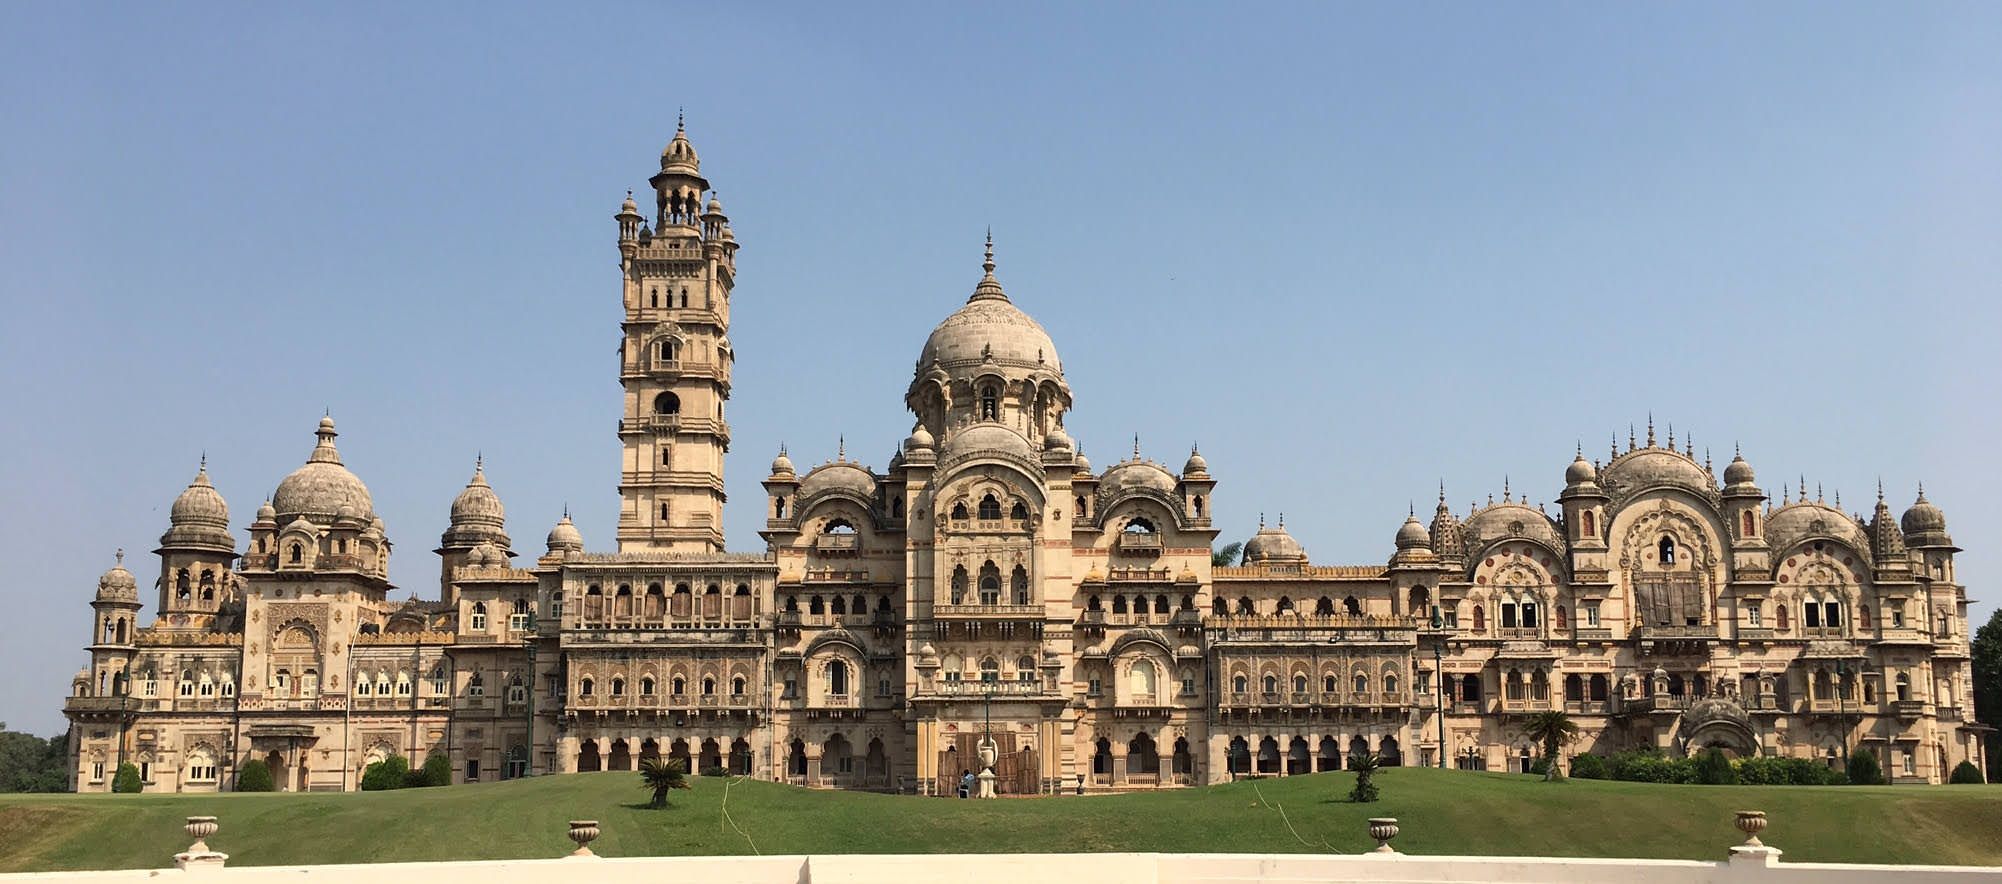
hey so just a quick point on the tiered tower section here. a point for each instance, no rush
(675, 360)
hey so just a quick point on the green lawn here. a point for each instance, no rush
(1442, 812)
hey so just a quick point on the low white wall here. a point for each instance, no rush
(1095, 868)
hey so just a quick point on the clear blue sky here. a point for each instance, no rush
(1351, 250)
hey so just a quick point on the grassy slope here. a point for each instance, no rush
(1442, 812)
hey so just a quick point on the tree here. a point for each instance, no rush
(1864, 769)
(29, 763)
(1965, 773)
(437, 771)
(662, 777)
(1227, 556)
(127, 779)
(255, 776)
(1551, 730)
(1365, 764)
(1987, 652)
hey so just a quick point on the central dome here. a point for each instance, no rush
(322, 487)
(989, 328)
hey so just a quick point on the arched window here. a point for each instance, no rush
(1239, 684)
(1328, 684)
(1325, 606)
(990, 403)
(816, 605)
(1480, 618)
(670, 350)
(1667, 549)
(1749, 524)
(1198, 502)
(479, 618)
(1025, 669)
(1361, 683)
(959, 584)
(1018, 512)
(182, 588)
(618, 686)
(1417, 601)
(1245, 607)
(1352, 606)
(1390, 684)
(990, 670)
(1285, 606)
(1780, 614)
(1904, 687)
(1018, 585)
(990, 584)
(1139, 526)
(839, 526)
(1119, 604)
(896, 507)
(837, 678)
(1272, 684)
(678, 685)
(840, 606)
(737, 686)
(646, 686)
(1081, 508)
(959, 511)
(990, 508)
(297, 552)
(587, 687)
(1585, 521)
(1299, 683)
(1160, 604)
(778, 507)
(666, 403)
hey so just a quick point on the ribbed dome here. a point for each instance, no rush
(1506, 520)
(1081, 463)
(990, 328)
(565, 537)
(1057, 440)
(842, 476)
(920, 439)
(1273, 544)
(782, 465)
(319, 489)
(199, 517)
(679, 155)
(988, 437)
(117, 584)
(1412, 534)
(1924, 524)
(1195, 465)
(478, 504)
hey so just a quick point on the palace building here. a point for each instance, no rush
(990, 582)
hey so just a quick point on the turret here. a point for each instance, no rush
(195, 555)
(1584, 504)
(114, 624)
(478, 520)
(1744, 503)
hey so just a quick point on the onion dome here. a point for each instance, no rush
(989, 328)
(199, 517)
(782, 465)
(1738, 474)
(629, 209)
(487, 555)
(715, 206)
(317, 490)
(565, 537)
(1195, 465)
(1273, 544)
(117, 584)
(266, 513)
(1057, 440)
(1925, 524)
(1580, 472)
(919, 440)
(1081, 463)
(1412, 534)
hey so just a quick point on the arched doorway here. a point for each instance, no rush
(1358, 745)
(275, 762)
(588, 759)
(649, 749)
(740, 758)
(837, 760)
(1239, 756)
(796, 758)
(1331, 754)
(1388, 750)
(1101, 761)
(677, 751)
(622, 755)
(1142, 761)
(1184, 762)
(711, 758)
(1268, 756)
(1299, 760)
(876, 765)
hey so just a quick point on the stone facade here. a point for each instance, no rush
(989, 582)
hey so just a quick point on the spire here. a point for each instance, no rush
(1922, 492)
(1505, 488)
(1630, 437)
(1650, 429)
(1136, 446)
(1442, 493)
(1261, 521)
(1282, 521)
(989, 287)
(1671, 436)
(841, 447)
(1615, 447)
(324, 451)
(120, 554)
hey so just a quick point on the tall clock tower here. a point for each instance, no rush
(675, 360)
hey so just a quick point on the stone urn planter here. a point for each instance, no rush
(987, 752)
(200, 828)
(583, 832)
(1752, 822)
(1383, 828)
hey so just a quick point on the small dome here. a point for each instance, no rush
(1581, 472)
(1412, 534)
(1134, 477)
(629, 207)
(1924, 523)
(1801, 520)
(266, 513)
(782, 465)
(1195, 465)
(117, 584)
(715, 206)
(319, 489)
(1738, 472)
(919, 440)
(1057, 440)
(565, 537)
(478, 504)
(1082, 464)
(1273, 544)
(1513, 519)
(486, 555)
(1647, 468)
(844, 477)
(679, 155)
(200, 504)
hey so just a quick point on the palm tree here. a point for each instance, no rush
(1551, 729)
(662, 777)
(1365, 765)
(1227, 556)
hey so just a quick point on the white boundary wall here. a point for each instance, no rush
(1748, 867)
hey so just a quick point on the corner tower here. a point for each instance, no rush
(674, 360)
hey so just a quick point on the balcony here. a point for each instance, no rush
(1592, 634)
(835, 543)
(1656, 703)
(1755, 633)
(1144, 543)
(987, 688)
(1699, 631)
(994, 612)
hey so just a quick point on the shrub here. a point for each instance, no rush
(437, 771)
(1649, 766)
(1588, 767)
(715, 770)
(127, 779)
(1863, 768)
(389, 773)
(1966, 773)
(1713, 769)
(1365, 765)
(255, 776)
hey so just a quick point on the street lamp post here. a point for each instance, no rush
(989, 680)
(1439, 672)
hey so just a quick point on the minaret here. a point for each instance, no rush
(675, 360)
